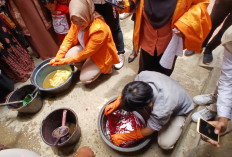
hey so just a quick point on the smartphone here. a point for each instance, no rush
(116, 3)
(207, 130)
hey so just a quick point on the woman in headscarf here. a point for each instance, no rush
(89, 40)
(155, 21)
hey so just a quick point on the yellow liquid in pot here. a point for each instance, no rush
(56, 78)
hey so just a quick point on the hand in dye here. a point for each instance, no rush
(113, 106)
(85, 152)
(123, 137)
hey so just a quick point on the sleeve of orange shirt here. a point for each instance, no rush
(195, 24)
(67, 42)
(94, 43)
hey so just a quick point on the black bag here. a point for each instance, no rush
(6, 86)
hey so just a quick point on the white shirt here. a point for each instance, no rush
(224, 101)
(81, 38)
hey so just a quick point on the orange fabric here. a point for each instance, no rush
(120, 138)
(113, 106)
(151, 39)
(99, 45)
(11, 23)
(190, 17)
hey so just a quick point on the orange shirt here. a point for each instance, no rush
(151, 39)
(99, 45)
(190, 17)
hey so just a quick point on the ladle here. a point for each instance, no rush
(27, 99)
(62, 130)
(11, 103)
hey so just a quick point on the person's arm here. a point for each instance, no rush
(224, 101)
(221, 126)
(65, 46)
(195, 24)
(113, 106)
(120, 138)
(95, 42)
(147, 131)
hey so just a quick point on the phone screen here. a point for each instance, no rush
(207, 130)
(116, 3)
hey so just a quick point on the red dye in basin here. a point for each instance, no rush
(121, 121)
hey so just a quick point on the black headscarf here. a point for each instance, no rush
(159, 12)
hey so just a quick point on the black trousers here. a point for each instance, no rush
(151, 63)
(106, 10)
(222, 10)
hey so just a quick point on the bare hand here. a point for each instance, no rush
(221, 126)
(211, 141)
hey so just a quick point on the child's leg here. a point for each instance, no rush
(170, 133)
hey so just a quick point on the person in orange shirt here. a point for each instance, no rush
(155, 21)
(89, 41)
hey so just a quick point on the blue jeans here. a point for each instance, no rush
(106, 10)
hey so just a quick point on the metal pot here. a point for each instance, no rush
(43, 70)
(102, 130)
(32, 106)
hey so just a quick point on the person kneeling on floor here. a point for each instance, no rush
(89, 41)
(169, 104)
